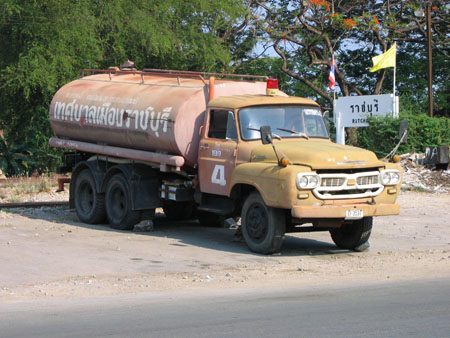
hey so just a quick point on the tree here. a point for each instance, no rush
(45, 44)
(305, 34)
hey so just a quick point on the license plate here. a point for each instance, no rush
(354, 214)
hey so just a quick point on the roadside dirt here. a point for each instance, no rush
(48, 253)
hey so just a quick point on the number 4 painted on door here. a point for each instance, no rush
(218, 175)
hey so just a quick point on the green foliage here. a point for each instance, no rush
(382, 135)
(306, 34)
(45, 44)
(15, 160)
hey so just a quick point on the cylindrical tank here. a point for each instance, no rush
(143, 111)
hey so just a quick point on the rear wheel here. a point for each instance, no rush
(89, 204)
(118, 204)
(351, 236)
(263, 227)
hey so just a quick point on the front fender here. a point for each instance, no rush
(276, 184)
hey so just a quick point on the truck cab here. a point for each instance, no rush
(298, 181)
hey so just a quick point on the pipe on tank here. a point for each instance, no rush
(212, 83)
(132, 154)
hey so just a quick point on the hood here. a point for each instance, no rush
(317, 154)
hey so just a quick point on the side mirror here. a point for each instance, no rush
(266, 134)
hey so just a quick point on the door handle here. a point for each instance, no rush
(204, 147)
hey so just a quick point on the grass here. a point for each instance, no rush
(415, 189)
(32, 185)
(14, 199)
(14, 189)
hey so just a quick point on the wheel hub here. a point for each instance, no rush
(257, 223)
(87, 197)
(119, 202)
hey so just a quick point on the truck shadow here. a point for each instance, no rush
(190, 233)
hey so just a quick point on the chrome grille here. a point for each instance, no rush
(355, 185)
(332, 181)
(366, 180)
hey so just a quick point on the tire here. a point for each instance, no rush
(209, 219)
(118, 204)
(89, 204)
(351, 236)
(263, 227)
(178, 210)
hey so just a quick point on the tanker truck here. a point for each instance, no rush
(214, 146)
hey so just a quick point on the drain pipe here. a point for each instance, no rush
(212, 83)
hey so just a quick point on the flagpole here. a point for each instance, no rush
(394, 113)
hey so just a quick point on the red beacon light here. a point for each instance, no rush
(272, 87)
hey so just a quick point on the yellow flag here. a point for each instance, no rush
(384, 60)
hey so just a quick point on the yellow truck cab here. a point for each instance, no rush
(301, 181)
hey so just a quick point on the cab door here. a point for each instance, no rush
(217, 151)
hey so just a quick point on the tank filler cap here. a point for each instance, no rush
(128, 65)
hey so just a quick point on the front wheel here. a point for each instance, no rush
(118, 204)
(263, 227)
(350, 236)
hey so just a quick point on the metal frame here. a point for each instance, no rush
(173, 73)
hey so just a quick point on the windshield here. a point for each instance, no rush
(285, 121)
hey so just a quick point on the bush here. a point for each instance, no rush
(27, 157)
(382, 135)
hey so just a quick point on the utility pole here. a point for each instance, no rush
(430, 62)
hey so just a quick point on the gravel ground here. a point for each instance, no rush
(47, 252)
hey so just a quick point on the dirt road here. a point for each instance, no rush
(47, 253)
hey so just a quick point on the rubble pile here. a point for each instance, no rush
(418, 177)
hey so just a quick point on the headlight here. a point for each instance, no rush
(307, 181)
(390, 177)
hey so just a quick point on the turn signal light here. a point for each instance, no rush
(396, 159)
(284, 162)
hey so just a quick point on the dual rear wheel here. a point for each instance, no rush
(118, 204)
(114, 205)
(89, 204)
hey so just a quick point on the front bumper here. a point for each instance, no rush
(338, 211)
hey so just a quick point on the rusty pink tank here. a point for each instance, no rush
(161, 113)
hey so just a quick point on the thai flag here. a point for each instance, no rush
(332, 78)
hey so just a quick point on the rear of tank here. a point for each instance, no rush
(151, 113)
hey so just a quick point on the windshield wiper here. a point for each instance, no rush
(278, 137)
(296, 133)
